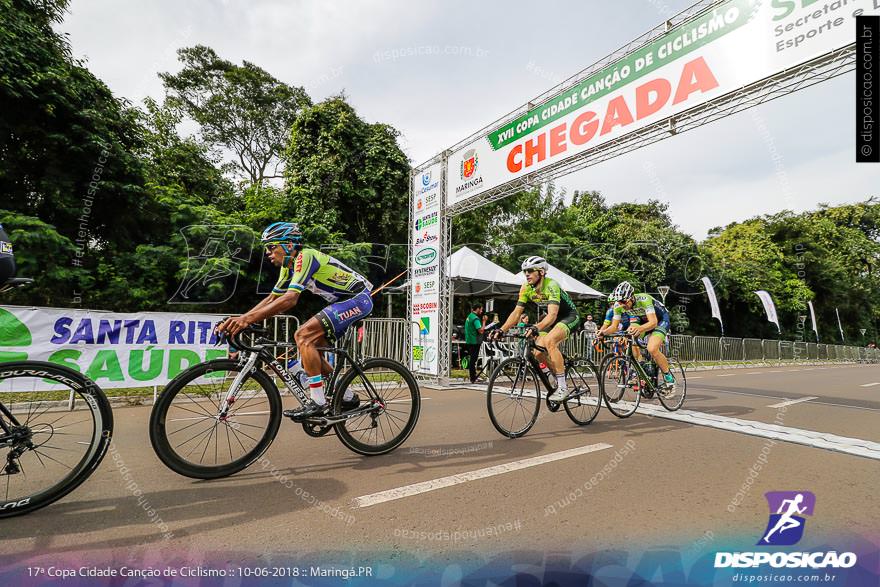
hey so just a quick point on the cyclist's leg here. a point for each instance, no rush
(551, 341)
(309, 337)
(656, 338)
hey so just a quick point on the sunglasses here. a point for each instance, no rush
(270, 248)
(530, 271)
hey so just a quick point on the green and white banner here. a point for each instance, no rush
(732, 45)
(425, 269)
(114, 350)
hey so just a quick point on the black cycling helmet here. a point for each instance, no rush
(7, 259)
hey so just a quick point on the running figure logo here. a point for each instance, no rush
(786, 525)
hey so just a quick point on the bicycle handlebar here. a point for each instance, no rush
(236, 340)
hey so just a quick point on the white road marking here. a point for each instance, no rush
(443, 482)
(689, 377)
(853, 446)
(791, 402)
(726, 375)
(755, 373)
(869, 384)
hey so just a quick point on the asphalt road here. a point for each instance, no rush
(648, 479)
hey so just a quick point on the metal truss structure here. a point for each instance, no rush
(823, 68)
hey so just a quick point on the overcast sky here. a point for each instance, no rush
(472, 62)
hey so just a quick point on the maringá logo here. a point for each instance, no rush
(786, 524)
(426, 255)
(469, 163)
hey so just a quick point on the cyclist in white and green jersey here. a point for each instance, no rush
(646, 315)
(560, 318)
(348, 293)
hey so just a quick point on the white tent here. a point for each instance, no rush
(474, 275)
(576, 289)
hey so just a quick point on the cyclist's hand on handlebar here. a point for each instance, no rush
(495, 335)
(633, 330)
(531, 331)
(233, 325)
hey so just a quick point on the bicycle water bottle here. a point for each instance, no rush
(296, 370)
(551, 379)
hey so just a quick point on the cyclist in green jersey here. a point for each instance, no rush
(646, 315)
(561, 318)
(348, 293)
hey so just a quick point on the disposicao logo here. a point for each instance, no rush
(785, 528)
(786, 525)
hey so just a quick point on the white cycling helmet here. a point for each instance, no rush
(623, 291)
(535, 262)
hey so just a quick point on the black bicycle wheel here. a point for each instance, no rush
(620, 383)
(672, 399)
(55, 428)
(584, 398)
(391, 393)
(513, 397)
(192, 438)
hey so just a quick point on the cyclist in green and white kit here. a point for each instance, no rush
(561, 318)
(646, 315)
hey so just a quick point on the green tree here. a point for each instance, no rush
(239, 108)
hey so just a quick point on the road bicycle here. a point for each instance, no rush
(625, 380)
(217, 418)
(513, 396)
(55, 428)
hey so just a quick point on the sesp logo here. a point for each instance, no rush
(426, 255)
(786, 524)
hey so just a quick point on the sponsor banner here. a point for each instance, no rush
(713, 301)
(425, 268)
(769, 308)
(114, 350)
(736, 43)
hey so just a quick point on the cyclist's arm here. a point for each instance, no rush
(610, 327)
(549, 319)
(279, 305)
(650, 323)
(513, 319)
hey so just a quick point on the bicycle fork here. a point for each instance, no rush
(232, 393)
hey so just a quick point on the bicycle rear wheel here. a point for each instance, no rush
(393, 394)
(192, 438)
(674, 398)
(619, 381)
(513, 397)
(584, 398)
(55, 428)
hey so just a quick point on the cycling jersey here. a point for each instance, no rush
(551, 294)
(323, 275)
(347, 291)
(609, 317)
(646, 304)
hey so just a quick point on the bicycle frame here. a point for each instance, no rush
(629, 343)
(262, 355)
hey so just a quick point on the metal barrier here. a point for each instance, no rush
(388, 337)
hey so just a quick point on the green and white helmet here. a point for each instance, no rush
(535, 262)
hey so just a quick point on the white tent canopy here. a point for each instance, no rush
(474, 275)
(576, 289)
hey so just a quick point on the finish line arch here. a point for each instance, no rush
(712, 60)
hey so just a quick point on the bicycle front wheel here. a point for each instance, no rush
(192, 437)
(513, 397)
(55, 428)
(584, 398)
(620, 385)
(672, 399)
(391, 392)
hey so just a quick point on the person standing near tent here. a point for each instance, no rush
(474, 326)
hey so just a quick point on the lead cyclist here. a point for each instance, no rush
(348, 292)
